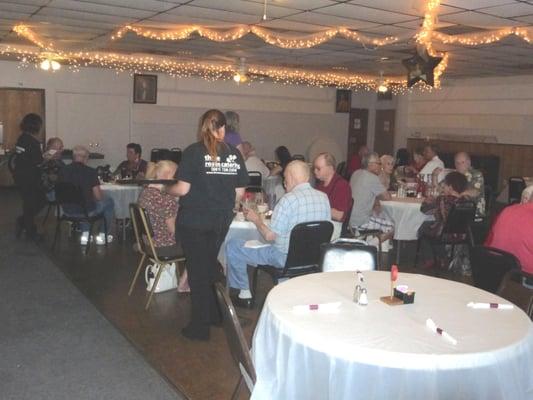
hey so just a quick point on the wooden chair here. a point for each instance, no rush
(348, 255)
(236, 342)
(489, 266)
(144, 238)
(69, 195)
(512, 289)
(304, 252)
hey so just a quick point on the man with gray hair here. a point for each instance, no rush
(300, 204)
(367, 190)
(84, 177)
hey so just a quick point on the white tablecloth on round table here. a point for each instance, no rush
(386, 352)
(406, 215)
(246, 230)
(122, 195)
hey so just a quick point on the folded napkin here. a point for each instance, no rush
(439, 331)
(478, 306)
(328, 308)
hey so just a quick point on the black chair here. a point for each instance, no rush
(489, 266)
(346, 231)
(175, 155)
(144, 238)
(236, 342)
(159, 154)
(457, 229)
(517, 184)
(255, 182)
(304, 252)
(512, 289)
(348, 255)
(67, 194)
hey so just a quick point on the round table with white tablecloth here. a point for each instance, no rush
(387, 352)
(406, 215)
(122, 195)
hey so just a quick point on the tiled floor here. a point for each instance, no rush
(199, 370)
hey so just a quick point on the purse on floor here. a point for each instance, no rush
(167, 281)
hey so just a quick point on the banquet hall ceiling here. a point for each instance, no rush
(89, 24)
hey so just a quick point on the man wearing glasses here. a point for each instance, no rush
(367, 190)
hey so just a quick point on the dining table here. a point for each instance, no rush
(122, 196)
(313, 342)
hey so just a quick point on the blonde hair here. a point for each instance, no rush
(150, 170)
(210, 122)
(163, 166)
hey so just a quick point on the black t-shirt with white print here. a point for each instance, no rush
(213, 184)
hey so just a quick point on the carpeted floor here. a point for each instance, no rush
(54, 344)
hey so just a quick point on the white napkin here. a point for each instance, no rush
(433, 327)
(480, 306)
(327, 308)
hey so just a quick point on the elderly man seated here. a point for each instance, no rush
(475, 188)
(300, 204)
(333, 185)
(252, 162)
(366, 190)
(81, 175)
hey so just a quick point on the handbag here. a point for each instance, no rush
(167, 281)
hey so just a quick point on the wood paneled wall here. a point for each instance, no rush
(515, 160)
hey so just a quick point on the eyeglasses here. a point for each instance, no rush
(375, 162)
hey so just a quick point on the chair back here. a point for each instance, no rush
(460, 218)
(304, 245)
(143, 230)
(517, 184)
(348, 255)
(158, 154)
(255, 181)
(489, 266)
(512, 289)
(237, 343)
(345, 230)
(298, 157)
(175, 155)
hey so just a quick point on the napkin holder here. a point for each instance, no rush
(399, 298)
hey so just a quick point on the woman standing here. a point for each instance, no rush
(211, 176)
(27, 175)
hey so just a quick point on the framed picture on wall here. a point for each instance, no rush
(145, 89)
(343, 101)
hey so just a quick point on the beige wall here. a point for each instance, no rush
(95, 106)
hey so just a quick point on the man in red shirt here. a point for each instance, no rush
(333, 185)
(511, 232)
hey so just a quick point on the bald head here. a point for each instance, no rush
(296, 172)
(462, 162)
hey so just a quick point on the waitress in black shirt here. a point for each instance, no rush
(27, 174)
(212, 175)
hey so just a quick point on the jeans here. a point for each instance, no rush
(239, 257)
(106, 205)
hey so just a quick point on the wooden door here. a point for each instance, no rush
(15, 103)
(384, 135)
(357, 130)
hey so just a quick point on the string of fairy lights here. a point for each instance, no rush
(49, 54)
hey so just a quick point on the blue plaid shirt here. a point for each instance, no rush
(301, 204)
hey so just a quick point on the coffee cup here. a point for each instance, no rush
(262, 208)
(240, 216)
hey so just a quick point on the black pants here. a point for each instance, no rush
(33, 201)
(201, 247)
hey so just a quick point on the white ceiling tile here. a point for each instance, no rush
(476, 19)
(528, 19)
(66, 15)
(290, 25)
(365, 13)
(509, 10)
(149, 5)
(474, 4)
(325, 21)
(19, 8)
(100, 9)
(200, 13)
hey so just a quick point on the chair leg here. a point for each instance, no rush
(156, 281)
(254, 282)
(46, 215)
(105, 231)
(237, 389)
(380, 266)
(137, 272)
(90, 236)
(57, 233)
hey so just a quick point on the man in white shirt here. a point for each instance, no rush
(433, 160)
(252, 162)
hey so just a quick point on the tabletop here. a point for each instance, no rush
(387, 352)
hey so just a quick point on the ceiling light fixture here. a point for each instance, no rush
(382, 84)
(265, 11)
(49, 64)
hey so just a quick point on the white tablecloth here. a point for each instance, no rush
(386, 352)
(406, 215)
(122, 195)
(246, 230)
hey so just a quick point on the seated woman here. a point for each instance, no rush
(162, 209)
(386, 176)
(453, 186)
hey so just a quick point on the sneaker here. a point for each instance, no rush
(84, 239)
(100, 239)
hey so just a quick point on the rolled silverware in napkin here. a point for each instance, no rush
(433, 326)
(489, 305)
(323, 308)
